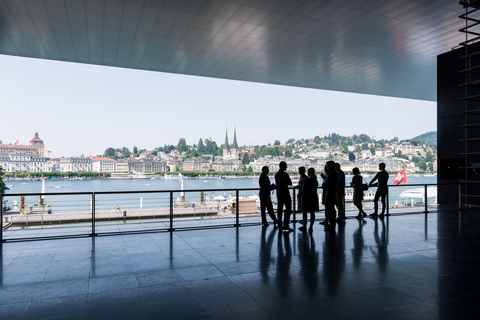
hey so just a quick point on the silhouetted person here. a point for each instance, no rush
(324, 177)
(310, 200)
(330, 195)
(282, 181)
(265, 199)
(357, 182)
(301, 181)
(340, 193)
(382, 190)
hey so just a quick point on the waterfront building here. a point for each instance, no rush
(197, 164)
(23, 163)
(35, 148)
(103, 164)
(226, 165)
(141, 165)
(75, 164)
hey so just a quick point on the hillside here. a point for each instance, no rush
(429, 137)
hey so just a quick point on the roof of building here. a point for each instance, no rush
(102, 159)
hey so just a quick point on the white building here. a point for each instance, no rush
(103, 164)
(23, 163)
(75, 164)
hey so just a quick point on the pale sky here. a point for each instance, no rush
(84, 109)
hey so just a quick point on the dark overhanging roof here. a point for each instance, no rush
(364, 46)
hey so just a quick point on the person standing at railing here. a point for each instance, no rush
(310, 200)
(301, 180)
(282, 181)
(340, 193)
(330, 185)
(382, 190)
(265, 199)
(356, 183)
(324, 176)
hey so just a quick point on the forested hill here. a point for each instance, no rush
(429, 137)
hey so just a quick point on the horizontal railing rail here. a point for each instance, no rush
(112, 212)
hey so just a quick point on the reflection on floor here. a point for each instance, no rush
(406, 267)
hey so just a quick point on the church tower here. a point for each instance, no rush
(226, 147)
(230, 153)
(234, 150)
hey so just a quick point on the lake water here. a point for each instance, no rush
(82, 203)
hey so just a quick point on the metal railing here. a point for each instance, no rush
(89, 214)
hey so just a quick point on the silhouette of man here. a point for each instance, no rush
(340, 193)
(330, 184)
(282, 181)
(265, 200)
(382, 190)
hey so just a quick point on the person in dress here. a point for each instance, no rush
(358, 193)
(310, 200)
(301, 181)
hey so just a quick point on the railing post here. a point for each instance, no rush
(426, 200)
(237, 207)
(93, 215)
(1, 217)
(294, 206)
(459, 197)
(388, 202)
(171, 212)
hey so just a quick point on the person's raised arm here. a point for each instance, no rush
(373, 180)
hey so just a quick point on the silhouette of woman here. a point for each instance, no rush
(358, 193)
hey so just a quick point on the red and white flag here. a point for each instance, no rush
(400, 177)
(283, 153)
(16, 142)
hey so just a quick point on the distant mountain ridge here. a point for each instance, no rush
(429, 137)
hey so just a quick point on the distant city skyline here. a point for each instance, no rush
(84, 109)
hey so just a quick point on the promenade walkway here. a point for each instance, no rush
(406, 267)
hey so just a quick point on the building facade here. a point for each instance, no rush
(75, 164)
(141, 165)
(103, 164)
(35, 148)
(23, 163)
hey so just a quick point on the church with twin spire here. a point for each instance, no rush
(231, 153)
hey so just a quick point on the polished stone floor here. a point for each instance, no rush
(406, 267)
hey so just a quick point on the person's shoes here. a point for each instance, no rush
(364, 214)
(324, 222)
(374, 216)
(381, 216)
(303, 229)
(359, 216)
(275, 223)
(265, 224)
(310, 230)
